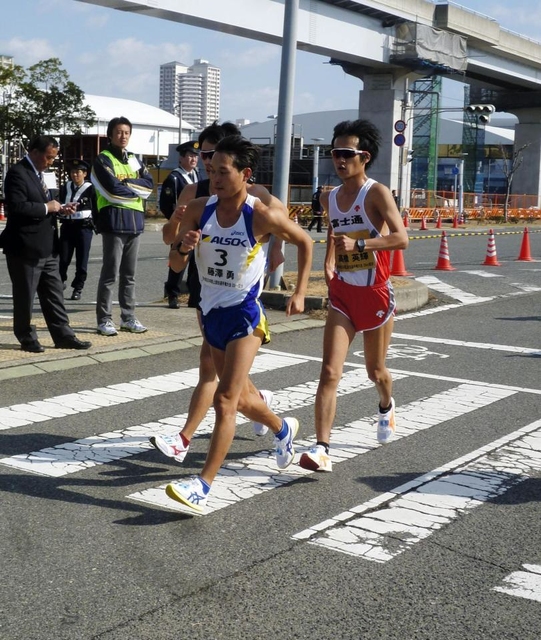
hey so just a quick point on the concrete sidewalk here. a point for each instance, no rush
(168, 329)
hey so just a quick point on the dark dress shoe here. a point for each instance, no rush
(72, 342)
(173, 302)
(34, 347)
(76, 295)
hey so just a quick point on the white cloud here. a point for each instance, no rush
(28, 52)
(255, 56)
(105, 72)
(249, 103)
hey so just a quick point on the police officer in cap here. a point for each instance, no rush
(185, 173)
(77, 229)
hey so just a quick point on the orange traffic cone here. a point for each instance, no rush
(423, 224)
(438, 221)
(455, 221)
(491, 259)
(406, 220)
(398, 267)
(2, 215)
(444, 263)
(525, 255)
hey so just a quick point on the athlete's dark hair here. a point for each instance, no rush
(116, 121)
(368, 134)
(244, 153)
(215, 132)
(41, 143)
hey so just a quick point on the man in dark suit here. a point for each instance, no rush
(184, 174)
(30, 243)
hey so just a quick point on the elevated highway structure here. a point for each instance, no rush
(387, 44)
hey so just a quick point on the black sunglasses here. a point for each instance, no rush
(207, 155)
(346, 153)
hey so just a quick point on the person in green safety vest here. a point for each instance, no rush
(122, 184)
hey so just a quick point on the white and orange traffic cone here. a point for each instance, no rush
(438, 221)
(444, 262)
(455, 221)
(491, 259)
(423, 224)
(2, 215)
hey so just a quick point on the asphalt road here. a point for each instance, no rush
(434, 536)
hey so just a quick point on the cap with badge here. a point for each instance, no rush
(76, 164)
(188, 147)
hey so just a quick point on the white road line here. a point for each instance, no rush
(19, 415)
(392, 523)
(523, 584)
(452, 292)
(257, 474)
(457, 305)
(471, 345)
(483, 274)
(75, 456)
(490, 385)
(527, 288)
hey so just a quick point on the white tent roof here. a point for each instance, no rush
(138, 113)
(154, 130)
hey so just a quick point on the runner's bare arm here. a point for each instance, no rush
(329, 262)
(188, 235)
(171, 227)
(272, 220)
(276, 248)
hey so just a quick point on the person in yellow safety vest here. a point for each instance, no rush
(122, 184)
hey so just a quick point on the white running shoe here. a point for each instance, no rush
(107, 328)
(189, 493)
(386, 425)
(170, 446)
(317, 459)
(284, 447)
(259, 428)
(132, 325)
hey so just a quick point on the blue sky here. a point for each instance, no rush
(94, 43)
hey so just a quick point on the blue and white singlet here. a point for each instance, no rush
(230, 261)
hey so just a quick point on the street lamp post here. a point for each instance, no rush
(461, 185)
(315, 169)
(158, 152)
(179, 107)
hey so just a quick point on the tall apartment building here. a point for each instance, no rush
(6, 61)
(197, 88)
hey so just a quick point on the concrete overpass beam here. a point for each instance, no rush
(381, 101)
(527, 179)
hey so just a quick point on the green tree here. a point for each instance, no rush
(41, 99)
(509, 168)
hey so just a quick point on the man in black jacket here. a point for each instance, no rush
(30, 243)
(184, 174)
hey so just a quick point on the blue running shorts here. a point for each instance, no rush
(224, 324)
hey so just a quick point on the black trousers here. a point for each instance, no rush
(41, 276)
(76, 238)
(172, 284)
(316, 218)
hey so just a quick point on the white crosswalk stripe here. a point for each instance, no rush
(72, 457)
(385, 527)
(20, 415)
(248, 477)
(257, 474)
(523, 584)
